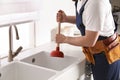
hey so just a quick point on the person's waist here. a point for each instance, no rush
(102, 37)
(109, 39)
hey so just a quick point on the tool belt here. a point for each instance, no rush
(110, 46)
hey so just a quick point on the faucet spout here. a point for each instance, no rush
(16, 30)
(11, 53)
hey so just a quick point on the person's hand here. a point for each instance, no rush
(60, 38)
(61, 16)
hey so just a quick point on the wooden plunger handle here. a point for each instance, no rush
(59, 28)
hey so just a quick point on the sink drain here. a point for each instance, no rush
(0, 75)
(33, 60)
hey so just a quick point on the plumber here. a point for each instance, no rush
(99, 40)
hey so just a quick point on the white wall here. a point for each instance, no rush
(47, 10)
(16, 6)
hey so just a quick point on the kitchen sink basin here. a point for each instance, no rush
(24, 71)
(44, 59)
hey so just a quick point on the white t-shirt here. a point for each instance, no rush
(97, 16)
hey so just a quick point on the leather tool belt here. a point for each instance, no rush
(110, 46)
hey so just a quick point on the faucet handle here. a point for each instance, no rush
(17, 51)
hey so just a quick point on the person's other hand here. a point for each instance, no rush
(61, 16)
(60, 38)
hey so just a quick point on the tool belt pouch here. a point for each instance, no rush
(88, 54)
(89, 51)
(112, 50)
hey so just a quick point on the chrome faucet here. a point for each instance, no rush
(11, 53)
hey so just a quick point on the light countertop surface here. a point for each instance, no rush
(67, 49)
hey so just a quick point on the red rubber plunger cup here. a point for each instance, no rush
(57, 52)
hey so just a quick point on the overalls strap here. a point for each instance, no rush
(79, 21)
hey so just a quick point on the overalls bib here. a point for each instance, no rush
(102, 70)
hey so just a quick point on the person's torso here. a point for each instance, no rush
(97, 16)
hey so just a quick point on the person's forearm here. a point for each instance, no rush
(71, 19)
(86, 41)
(77, 41)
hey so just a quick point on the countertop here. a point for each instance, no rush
(67, 49)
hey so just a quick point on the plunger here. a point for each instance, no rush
(57, 52)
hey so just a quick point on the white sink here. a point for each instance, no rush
(23, 71)
(44, 59)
